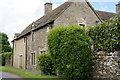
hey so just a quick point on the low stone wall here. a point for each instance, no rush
(107, 65)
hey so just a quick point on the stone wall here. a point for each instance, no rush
(77, 13)
(107, 65)
(39, 44)
(19, 54)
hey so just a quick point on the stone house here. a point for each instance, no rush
(32, 40)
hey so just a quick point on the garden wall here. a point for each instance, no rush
(107, 65)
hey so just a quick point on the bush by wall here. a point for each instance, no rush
(106, 36)
(6, 58)
(46, 64)
(70, 50)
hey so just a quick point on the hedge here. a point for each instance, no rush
(45, 64)
(6, 58)
(70, 50)
(106, 35)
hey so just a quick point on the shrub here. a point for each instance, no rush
(46, 64)
(106, 36)
(70, 50)
(6, 58)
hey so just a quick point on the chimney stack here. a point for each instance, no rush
(118, 9)
(48, 7)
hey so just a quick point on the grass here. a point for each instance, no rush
(24, 73)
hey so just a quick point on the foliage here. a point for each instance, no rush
(70, 50)
(106, 35)
(5, 57)
(46, 64)
(4, 43)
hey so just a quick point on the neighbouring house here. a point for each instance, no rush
(32, 40)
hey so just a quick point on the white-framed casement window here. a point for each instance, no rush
(33, 58)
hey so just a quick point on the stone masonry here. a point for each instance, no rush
(107, 65)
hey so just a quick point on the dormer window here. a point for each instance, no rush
(33, 26)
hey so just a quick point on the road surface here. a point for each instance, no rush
(8, 75)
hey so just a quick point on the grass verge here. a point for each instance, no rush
(24, 73)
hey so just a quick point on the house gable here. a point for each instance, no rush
(78, 12)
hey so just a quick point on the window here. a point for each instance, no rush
(82, 25)
(15, 45)
(97, 21)
(33, 36)
(20, 61)
(24, 39)
(33, 58)
(48, 29)
(42, 52)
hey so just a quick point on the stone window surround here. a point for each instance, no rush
(33, 58)
(32, 36)
(82, 24)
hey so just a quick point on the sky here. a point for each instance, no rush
(16, 15)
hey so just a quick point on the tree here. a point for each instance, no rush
(4, 47)
(70, 50)
(4, 43)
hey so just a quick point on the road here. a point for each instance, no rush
(8, 75)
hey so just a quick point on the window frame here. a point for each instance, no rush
(82, 25)
(33, 58)
(32, 36)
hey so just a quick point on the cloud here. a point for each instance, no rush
(16, 15)
(103, 0)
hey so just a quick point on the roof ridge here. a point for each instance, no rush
(53, 15)
(105, 11)
(54, 10)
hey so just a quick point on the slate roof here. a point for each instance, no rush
(47, 18)
(55, 14)
(105, 15)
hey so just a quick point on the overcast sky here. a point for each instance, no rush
(16, 15)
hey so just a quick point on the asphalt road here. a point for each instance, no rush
(8, 75)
